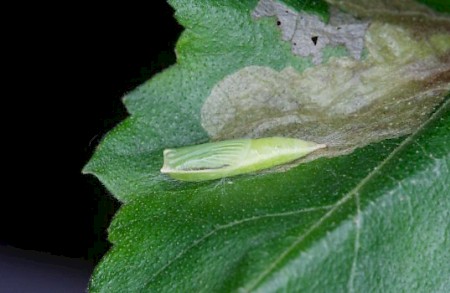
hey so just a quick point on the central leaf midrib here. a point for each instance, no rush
(332, 209)
(348, 196)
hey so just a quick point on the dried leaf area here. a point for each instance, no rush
(345, 103)
(309, 35)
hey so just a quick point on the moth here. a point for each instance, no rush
(228, 158)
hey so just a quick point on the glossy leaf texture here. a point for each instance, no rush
(375, 220)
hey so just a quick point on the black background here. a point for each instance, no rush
(67, 73)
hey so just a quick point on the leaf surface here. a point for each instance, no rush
(366, 216)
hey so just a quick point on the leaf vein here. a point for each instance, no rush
(232, 224)
(345, 198)
(358, 225)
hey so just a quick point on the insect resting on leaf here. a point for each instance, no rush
(228, 158)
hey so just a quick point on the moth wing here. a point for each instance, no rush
(209, 156)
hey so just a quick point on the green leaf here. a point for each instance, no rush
(371, 213)
(439, 5)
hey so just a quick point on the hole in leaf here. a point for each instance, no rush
(314, 39)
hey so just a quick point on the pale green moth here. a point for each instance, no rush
(233, 157)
